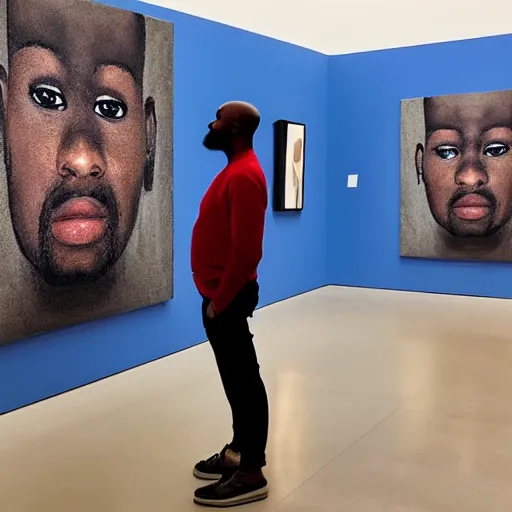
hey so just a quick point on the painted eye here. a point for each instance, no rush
(496, 149)
(49, 97)
(110, 108)
(447, 152)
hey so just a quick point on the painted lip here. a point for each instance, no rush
(472, 207)
(80, 221)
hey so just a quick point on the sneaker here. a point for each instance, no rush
(230, 492)
(215, 467)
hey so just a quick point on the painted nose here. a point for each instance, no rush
(472, 174)
(81, 159)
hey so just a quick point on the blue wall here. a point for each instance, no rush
(364, 94)
(213, 63)
(351, 105)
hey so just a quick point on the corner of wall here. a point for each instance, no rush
(331, 168)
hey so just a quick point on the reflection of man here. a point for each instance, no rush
(466, 166)
(297, 172)
(79, 139)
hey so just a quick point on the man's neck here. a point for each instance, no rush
(239, 149)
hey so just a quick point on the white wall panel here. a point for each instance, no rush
(340, 26)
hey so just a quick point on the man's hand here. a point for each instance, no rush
(210, 310)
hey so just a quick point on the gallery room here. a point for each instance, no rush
(255, 258)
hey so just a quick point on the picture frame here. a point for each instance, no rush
(455, 197)
(289, 165)
(82, 241)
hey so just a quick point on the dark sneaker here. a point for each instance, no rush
(215, 467)
(231, 491)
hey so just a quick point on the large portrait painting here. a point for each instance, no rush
(456, 177)
(86, 115)
(289, 156)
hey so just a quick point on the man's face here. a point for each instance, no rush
(75, 134)
(467, 162)
(220, 134)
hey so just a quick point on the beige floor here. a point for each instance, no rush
(380, 401)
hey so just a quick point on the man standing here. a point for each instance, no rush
(226, 250)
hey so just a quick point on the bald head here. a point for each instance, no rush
(241, 114)
(234, 128)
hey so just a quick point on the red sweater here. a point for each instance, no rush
(227, 240)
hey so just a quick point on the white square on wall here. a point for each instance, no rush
(352, 181)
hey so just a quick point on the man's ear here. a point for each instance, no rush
(149, 167)
(3, 103)
(420, 151)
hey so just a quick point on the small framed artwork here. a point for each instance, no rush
(289, 159)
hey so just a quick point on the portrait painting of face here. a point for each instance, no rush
(289, 179)
(456, 177)
(86, 117)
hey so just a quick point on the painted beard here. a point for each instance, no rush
(110, 246)
(43, 258)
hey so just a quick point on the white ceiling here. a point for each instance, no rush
(341, 26)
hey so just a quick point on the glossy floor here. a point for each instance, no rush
(380, 401)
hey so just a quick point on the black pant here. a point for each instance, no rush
(232, 344)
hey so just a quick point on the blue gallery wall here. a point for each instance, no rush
(213, 63)
(364, 137)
